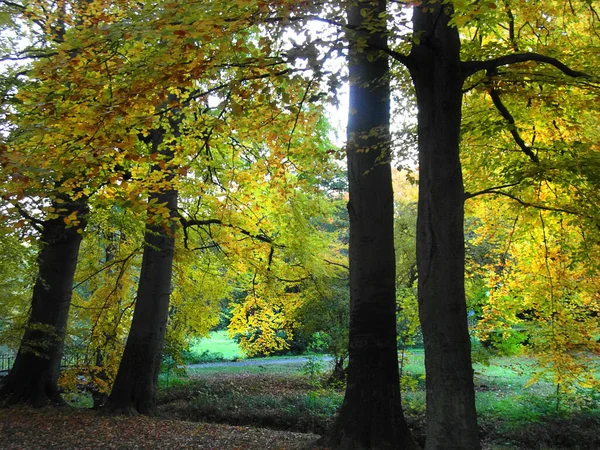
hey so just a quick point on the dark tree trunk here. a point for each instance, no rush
(33, 378)
(99, 398)
(371, 415)
(134, 390)
(338, 374)
(435, 69)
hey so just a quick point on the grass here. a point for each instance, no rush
(274, 369)
(281, 396)
(218, 342)
(284, 369)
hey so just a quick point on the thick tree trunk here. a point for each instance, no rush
(134, 390)
(34, 376)
(371, 415)
(435, 69)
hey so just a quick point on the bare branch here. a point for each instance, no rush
(492, 190)
(512, 125)
(471, 67)
(12, 5)
(337, 264)
(24, 56)
(259, 237)
(300, 106)
(37, 224)
(401, 58)
(112, 263)
(532, 205)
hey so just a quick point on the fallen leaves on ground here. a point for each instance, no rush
(67, 428)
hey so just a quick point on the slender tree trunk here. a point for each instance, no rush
(99, 374)
(134, 390)
(34, 376)
(99, 398)
(435, 69)
(371, 415)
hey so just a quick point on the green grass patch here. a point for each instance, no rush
(286, 369)
(174, 378)
(218, 343)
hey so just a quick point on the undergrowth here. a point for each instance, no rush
(510, 416)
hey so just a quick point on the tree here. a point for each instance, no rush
(434, 64)
(542, 295)
(103, 297)
(34, 375)
(530, 156)
(214, 144)
(295, 263)
(438, 74)
(134, 389)
(115, 101)
(371, 415)
(88, 145)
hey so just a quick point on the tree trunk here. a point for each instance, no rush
(338, 374)
(134, 390)
(371, 415)
(435, 69)
(99, 398)
(34, 376)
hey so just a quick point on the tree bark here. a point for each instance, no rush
(33, 378)
(134, 390)
(371, 415)
(435, 69)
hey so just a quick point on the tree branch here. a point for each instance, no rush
(37, 224)
(471, 67)
(199, 93)
(306, 91)
(400, 57)
(23, 56)
(337, 264)
(12, 5)
(492, 190)
(112, 263)
(512, 125)
(531, 205)
(259, 237)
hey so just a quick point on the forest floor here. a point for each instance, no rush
(76, 429)
(287, 404)
(286, 397)
(70, 428)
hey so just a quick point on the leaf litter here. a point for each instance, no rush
(68, 428)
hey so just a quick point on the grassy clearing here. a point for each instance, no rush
(218, 343)
(283, 369)
(283, 396)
